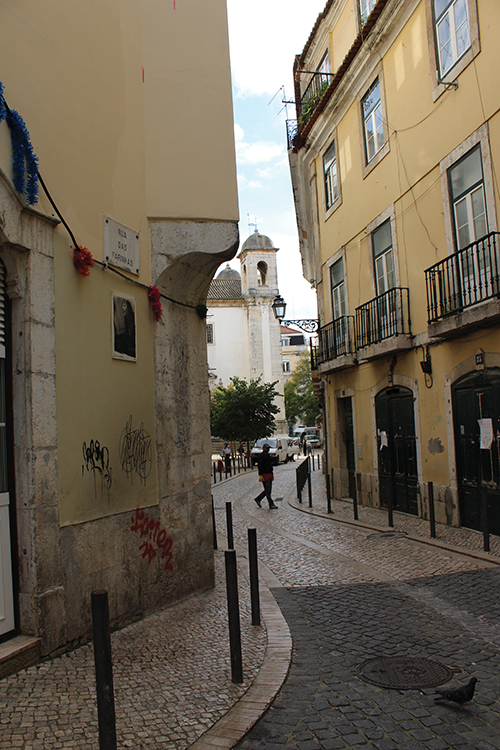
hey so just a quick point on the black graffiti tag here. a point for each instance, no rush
(135, 451)
(96, 461)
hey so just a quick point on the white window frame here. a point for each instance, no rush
(439, 86)
(210, 327)
(448, 17)
(330, 176)
(384, 147)
(365, 8)
(287, 367)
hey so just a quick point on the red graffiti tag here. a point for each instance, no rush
(147, 527)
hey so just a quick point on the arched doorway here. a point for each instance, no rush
(476, 422)
(397, 459)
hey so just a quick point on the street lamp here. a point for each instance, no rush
(279, 309)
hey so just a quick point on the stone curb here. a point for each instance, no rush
(241, 717)
(476, 554)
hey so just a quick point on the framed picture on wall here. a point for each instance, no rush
(124, 333)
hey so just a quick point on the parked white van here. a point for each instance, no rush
(281, 448)
(305, 431)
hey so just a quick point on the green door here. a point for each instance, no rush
(396, 445)
(476, 422)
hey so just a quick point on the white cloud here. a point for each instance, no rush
(258, 152)
(239, 133)
(265, 36)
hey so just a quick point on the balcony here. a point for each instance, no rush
(312, 96)
(383, 324)
(336, 345)
(463, 289)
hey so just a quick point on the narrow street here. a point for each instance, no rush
(353, 594)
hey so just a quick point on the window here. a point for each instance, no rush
(210, 333)
(338, 289)
(452, 32)
(287, 366)
(324, 67)
(383, 258)
(365, 8)
(467, 194)
(373, 121)
(330, 173)
(262, 273)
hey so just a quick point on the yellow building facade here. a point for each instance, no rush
(105, 444)
(394, 160)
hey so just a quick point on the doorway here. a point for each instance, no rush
(347, 455)
(396, 446)
(476, 423)
(6, 588)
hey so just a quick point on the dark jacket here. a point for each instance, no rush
(265, 463)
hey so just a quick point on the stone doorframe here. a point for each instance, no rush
(27, 250)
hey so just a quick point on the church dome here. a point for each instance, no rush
(229, 273)
(257, 241)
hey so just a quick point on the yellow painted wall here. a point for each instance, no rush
(137, 124)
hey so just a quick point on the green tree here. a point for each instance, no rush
(300, 402)
(244, 411)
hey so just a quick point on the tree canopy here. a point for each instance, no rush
(244, 411)
(301, 405)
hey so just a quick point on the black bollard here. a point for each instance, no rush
(103, 671)
(229, 524)
(390, 518)
(214, 528)
(484, 518)
(328, 494)
(254, 576)
(309, 487)
(215, 473)
(355, 499)
(432, 515)
(233, 616)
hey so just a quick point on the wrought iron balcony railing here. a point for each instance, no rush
(382, 318)
(312, 96)
(335, 339)
(463, 279)
(291, 132)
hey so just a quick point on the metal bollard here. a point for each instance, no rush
(432, 516)
(484, 518)
(328, 494)
(214, 528)
(229, 524)
(355, 499)
(233, 616)
(215, 473)
(309, 487)
(103, 671)
(390, 517)
(254, 575)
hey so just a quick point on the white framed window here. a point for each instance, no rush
(365, 8)
(383, 258)
(373, 123)
(210, 333)
(287, 366)
(330, 175)
(468, 198)
(452, 32)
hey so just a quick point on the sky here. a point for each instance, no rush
(264, 37)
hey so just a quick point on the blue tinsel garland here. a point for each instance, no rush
(24, 159)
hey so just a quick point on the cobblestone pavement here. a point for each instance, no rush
(172, 680)
(352, 593)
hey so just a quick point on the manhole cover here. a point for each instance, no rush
(404, 673)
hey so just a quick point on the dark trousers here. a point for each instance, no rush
(266, 492)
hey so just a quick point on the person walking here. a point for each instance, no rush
(266, 476)
(227, 458)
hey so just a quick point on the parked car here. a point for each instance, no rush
(312, 441)
(280, 449)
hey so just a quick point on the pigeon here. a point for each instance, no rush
(460, 695)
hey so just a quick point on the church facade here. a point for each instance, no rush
(243, 336)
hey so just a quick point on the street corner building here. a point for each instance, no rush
(394, 156)
(118, 202)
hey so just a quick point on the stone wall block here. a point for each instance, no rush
(41, 275)
(47, 551)
(44, 463)
(43, 410)
(43, 349)
(52, 617)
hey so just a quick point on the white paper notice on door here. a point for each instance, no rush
(485, 433)
(383, 439)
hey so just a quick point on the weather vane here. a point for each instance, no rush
(252, 224)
